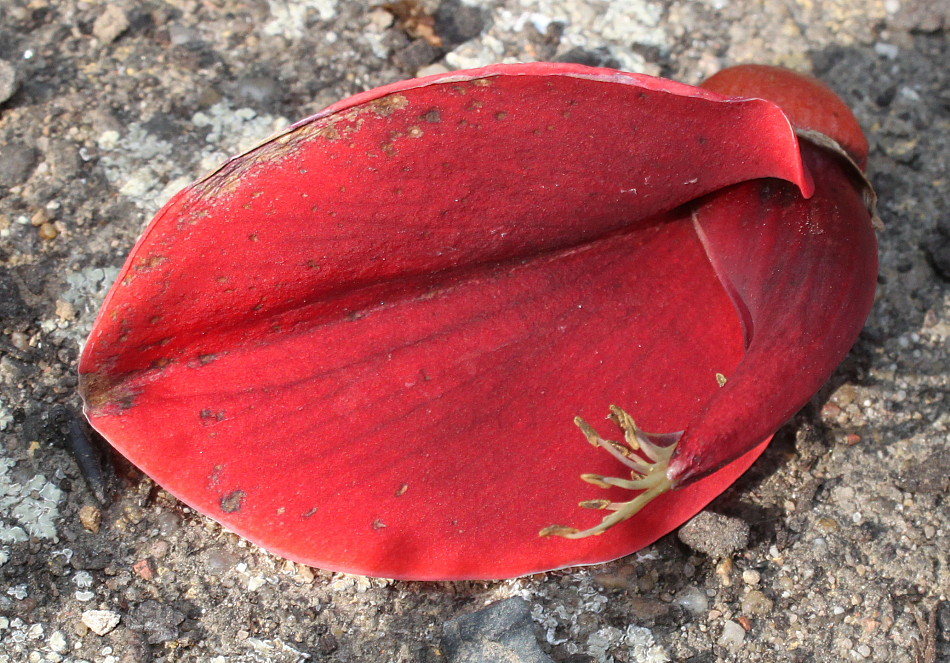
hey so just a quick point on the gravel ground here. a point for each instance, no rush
(834, 547)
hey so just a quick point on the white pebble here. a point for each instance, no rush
(732, 636)
(693, 600)
(100, 622)
(57, 642)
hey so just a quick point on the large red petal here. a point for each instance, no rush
(361, 345)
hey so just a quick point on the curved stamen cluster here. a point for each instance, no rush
(647, 472)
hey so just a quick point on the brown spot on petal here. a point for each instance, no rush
(233, 501)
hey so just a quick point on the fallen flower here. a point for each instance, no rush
(361, 343)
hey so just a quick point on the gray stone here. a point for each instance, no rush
(157, 621)
(11, 303)
(938, 252)
(257, 89)
(715, 535)
(63, 158)
(417, 54)
(17, 162)
(8, 81)
(457, 22)
(929, 476)
(501, 632)
(220, 560)
(756, 603)
(597, 57)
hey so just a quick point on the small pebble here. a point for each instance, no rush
(159, 549)
(693, 600)
(111, 23)
(732, 636)
(715, 535)
(751, 577)
(756, 603)
(724, 572)
(145, 568)
(100, 622)
(90, 517)
(47, 231)
(167, 522)
(220, 560)
(57, 642)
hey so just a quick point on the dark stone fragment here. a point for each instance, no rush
(647, 611)
(457, 22)
(130, 647)
(937, 250)
(503, 631)
(416, 55)
(930, 476)
(17, 162)
(326, 644)
(598, 57)
(64, 159)
(90, 561)
(12, 305)
(157, 621)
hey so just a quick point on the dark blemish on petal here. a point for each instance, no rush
(433, 116)
(308, 513)
(501, 115)
(233, 501)
(252, 237)
(206, 359)
(209, 416)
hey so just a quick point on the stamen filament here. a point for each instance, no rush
(647, 474)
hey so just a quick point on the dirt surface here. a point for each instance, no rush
(840, 533)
